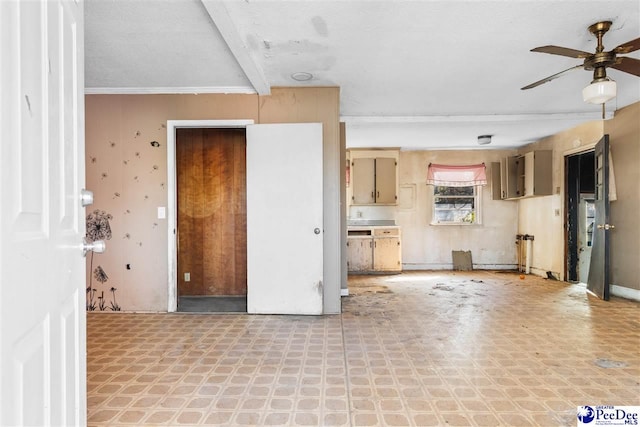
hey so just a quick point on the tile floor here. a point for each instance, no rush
(419, 349)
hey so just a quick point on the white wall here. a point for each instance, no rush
(426, 246)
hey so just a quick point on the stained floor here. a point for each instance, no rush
(419, 349)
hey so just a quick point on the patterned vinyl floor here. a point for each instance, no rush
(415, 349)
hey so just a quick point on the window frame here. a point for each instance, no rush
(477, 196)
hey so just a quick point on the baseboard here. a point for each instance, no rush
(624, 292)
(425, 266)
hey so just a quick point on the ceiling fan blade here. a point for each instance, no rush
(563, 51)
(630, 46)
(548, 79)
(628, 65)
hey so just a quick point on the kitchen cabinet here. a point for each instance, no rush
(374, 249)
(537, 173)
(374, 181)
(386, 249)
(525, 175)
(360, 253)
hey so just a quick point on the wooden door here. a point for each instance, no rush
(42, 271)
(284, 219)
(212, 216)
(599, 275)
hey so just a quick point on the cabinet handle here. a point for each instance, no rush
(372, 195)
(378, 195)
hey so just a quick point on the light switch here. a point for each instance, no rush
(187, 277)
(162, 212)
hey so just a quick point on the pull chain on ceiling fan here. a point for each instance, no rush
(602, 88)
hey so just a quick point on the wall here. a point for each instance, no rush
(544, 217)
(126, 157)
(624, 138)
(426, 246)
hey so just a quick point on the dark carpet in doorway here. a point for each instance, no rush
(200, 304)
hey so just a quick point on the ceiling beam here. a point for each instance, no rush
(221, 19)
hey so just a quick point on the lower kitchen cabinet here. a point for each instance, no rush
(371, 250)
(386, 254)
(360, 253)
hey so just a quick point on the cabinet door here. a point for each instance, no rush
(496, 187)
(386, 254)
(512, 177)
(363, 179)
(504, 173)
(385, 180)
(359, 254)
(542, 182)
(529, 173)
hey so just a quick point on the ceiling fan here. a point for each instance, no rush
(601, 88)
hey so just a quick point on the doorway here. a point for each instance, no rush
(580, 187)
(211, 219)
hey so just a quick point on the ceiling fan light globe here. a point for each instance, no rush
(599, 92)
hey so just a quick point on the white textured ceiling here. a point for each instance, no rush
(413, 74)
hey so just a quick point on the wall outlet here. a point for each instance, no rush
(162, 212)
(187, 277)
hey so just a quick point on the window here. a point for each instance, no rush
(456, 205)
(456, 192)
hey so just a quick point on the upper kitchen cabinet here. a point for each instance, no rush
(374, 177)
(525, 175)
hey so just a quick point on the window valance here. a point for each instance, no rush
(456, 176)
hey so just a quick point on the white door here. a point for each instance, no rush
(42, 271)
(284, 219)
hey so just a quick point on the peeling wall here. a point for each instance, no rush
(544, 217)
(426, 246)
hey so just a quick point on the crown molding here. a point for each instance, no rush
(502, 118)
(168, 90)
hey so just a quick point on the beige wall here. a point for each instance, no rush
(128, 175)
(624, 138)
(426, 246)
(544, 217)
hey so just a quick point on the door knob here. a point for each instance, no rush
(316, 230)
(605, 227)
(98, 246)
(86, 197)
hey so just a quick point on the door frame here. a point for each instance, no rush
(172, 195)
(564, 206)
(567, 208)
